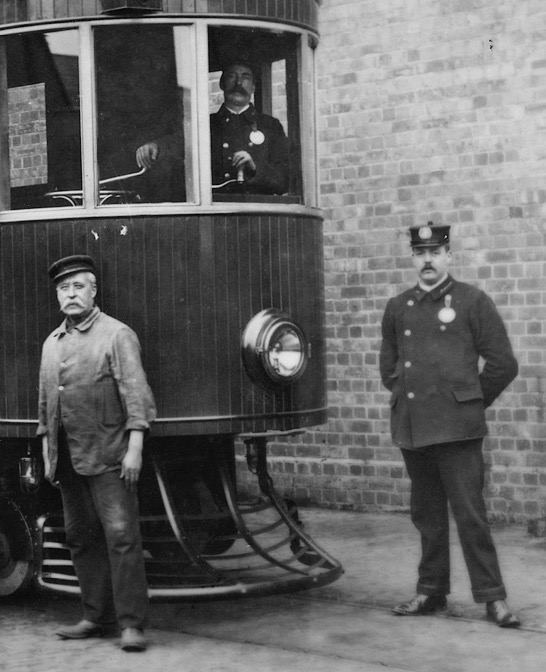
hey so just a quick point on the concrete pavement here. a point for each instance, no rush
(344, 627)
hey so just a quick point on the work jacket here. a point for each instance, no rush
(430, 361)
(92, 382)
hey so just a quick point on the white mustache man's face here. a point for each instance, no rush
(76, 294)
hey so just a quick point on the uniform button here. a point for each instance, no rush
(61, 388)
(411, 302)
(443, 327)
(407, 365)
(226, 174)
(407, 332)
(411, 395)
(225, 145)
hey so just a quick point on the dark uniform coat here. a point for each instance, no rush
(232, 132)
(432, 367)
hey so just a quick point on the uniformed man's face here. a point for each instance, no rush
(431, 263)
(238, 85)
(76, 294)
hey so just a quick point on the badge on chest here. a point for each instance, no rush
(447, 314)
(256, 137)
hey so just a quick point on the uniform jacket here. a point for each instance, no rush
(432, 368)
(231, 133)
(92, 381)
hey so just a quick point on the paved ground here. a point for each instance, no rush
(344, 627)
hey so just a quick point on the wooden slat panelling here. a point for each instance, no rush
(188, 286)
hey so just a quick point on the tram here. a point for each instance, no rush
(222, 283)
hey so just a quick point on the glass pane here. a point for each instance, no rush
(43, 116)
(143, 83)
(254, 114)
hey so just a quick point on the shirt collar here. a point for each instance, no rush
(437, 291)
(430, 288)
(249, 113)
(82, 326)
(239, 112)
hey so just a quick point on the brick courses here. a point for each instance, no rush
(28, 142)
(427, 110)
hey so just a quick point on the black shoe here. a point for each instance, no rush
(421, 604)
(499, 612)
(81, 630)
(132, 639)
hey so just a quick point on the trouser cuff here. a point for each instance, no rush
(429, 589)
(489, 595)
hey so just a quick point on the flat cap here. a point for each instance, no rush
(76, 263)
(431, 235)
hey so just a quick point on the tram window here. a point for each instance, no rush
(40, 108)
(267, 132)
(144, 97)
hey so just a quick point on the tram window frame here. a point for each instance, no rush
(261, 48)
(171, 179)
(303, 74)
(36, 113)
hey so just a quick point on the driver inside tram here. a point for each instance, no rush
(249, 150)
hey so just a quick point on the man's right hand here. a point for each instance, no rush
(45, 456)
(146, 155)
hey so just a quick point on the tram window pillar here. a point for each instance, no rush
(293, 113)
(5, 200)
(264, 92)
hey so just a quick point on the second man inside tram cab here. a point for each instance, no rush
(249, 150)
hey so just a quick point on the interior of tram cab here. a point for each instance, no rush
(144, 91)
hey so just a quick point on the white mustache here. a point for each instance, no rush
(68, 302)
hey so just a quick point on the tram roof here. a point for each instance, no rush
(299, 12)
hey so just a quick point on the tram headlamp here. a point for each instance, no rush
(274, 348)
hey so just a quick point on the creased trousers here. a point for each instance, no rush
(102, 524)
(452, 473)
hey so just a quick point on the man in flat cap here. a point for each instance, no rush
(434, 335)
(95, 407)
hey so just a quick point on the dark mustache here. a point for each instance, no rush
(237, 89)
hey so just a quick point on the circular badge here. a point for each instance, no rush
(447, 314)
(256, 137)
(425, 233)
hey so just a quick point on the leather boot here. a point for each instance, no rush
(421, 604)
(132, 639)
(499, 612)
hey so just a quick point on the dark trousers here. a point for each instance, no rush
(452, 473)
(103, 533)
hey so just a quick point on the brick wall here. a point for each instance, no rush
(427, 110)
(27, 135)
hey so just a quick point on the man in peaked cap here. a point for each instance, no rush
(433, 337)
(249, 150)
(94, 409)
